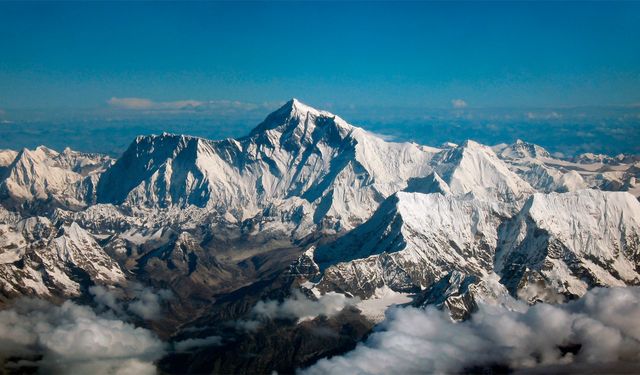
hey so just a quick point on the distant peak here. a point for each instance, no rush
(470, 144)
(448, 145)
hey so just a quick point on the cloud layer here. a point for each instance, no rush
(74, 339)
(601, 328)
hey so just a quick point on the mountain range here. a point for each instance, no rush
(307, 203)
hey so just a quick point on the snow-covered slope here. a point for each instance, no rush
(563, 244)
(6, 158)
(411, 242)
(557, 245)
(523, 150)
(460, 294)
(344, 171)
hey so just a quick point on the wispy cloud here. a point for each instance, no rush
(552, 115)
(3, 119)
(146, 303)
(148, 104)
(458, 103)
(298, 307)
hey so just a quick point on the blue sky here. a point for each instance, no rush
(93, 75)
(79, 55)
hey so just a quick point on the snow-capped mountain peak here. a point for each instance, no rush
(299, 123)
(524, 150)
(297, 151)
(475, 169)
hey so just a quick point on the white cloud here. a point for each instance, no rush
(148, 104)
(4, 121)
(602, 328)
(74, 339)
(148, 304)
(145, 302)
(106, 299)
(299, 307)
(224, 106)
(553, 115)
(458, 103)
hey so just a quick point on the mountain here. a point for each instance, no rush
(523, 150)
(342, 170)
(547, 173)
(241, 236)
(55, 179)
(42, 260)
(564, 244)
(460, 294)
(475, 169)
(556, 246)
(411, 241)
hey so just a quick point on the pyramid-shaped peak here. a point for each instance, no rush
(39, 154)
(521, 149)
(471, 144)
(295, 107)
(293, 114)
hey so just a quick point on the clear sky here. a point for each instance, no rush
(81, 55)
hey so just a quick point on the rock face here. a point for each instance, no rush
(337, 208)
(40, 259)
(411, 242)
(460, 293)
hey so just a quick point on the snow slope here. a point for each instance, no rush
(568, 243)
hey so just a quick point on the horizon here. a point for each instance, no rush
(106, 58)
(413, 71)
(565, 132)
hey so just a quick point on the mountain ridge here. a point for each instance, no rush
(360, 213)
